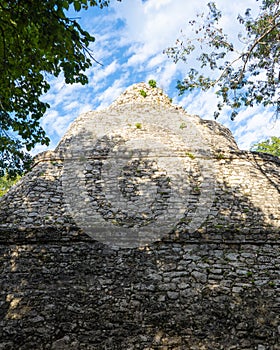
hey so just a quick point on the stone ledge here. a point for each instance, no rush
(72, 234)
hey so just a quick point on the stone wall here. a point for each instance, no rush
(204, 275)
(69, 292)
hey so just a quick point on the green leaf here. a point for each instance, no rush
(271, 146)
(77, 5)
(65, 4)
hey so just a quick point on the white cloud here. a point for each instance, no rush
(111, 93)
(154, 25)
(72, 105)
(103, 72)
(255, 126)
(155, 5)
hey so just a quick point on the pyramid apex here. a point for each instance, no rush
(143, 93)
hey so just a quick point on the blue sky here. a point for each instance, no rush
(130, 38)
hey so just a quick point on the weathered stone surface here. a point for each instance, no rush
(213, 287)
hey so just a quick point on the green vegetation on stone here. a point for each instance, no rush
(190, 155)
(152, 83)
(143, 93)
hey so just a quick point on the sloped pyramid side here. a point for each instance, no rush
(246, 185)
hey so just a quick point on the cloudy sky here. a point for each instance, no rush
(130, 38)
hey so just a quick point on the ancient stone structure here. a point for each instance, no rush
(146, 228)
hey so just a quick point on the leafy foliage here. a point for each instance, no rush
(243, 73)
(143, 93)
(6, 183)
(152, 83)
(37, 40)
(272, 146)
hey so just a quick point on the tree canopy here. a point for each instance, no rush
(243, 72)
(37, 40)
(271, 146)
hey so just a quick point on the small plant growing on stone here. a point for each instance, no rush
(220, 156)
(152, 83)
(271, 284)
(183, 125)
(219, 226)
(143, 93)
(138, 126)
(190, 155)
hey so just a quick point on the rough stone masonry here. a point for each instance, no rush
(146, 228)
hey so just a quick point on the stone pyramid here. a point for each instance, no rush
(145, 166)
(146, 228)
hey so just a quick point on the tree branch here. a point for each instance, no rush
(226, 68)
(247, 54)
(258, 41)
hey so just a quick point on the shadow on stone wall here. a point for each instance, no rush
(268, 167)
(36, 201)
(233, 217)
(197, 291)
(215, 288)
(89, 297)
